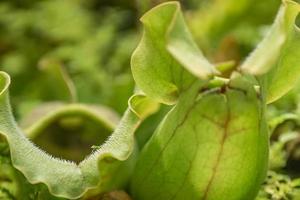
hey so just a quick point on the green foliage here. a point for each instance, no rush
(39, 167)
(205, 118)
(279, 187)
(82, 39)
(223, 122)
(230, 30)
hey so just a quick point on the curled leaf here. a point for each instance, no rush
(102, 169)
(277, 56)
(69, 130)
(47, 113)
(167, 60)
(265, 56)
(142, 105)
(183, 48)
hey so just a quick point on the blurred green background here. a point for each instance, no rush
(93, 41)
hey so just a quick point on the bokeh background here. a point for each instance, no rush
(93, 40)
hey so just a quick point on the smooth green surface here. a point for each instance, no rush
(44, 115)
(142, 105)
(166, 42)
(211, 146)
(277, 56)
(285, 75)
(265, 56)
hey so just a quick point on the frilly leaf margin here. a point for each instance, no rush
(64, 178)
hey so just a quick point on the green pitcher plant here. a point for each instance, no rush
(213, 144)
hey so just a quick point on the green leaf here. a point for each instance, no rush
(285, 75)
(208, 145)
(265, 56)
(142, 106)
(181, 45)
(48, 113)
(101, 171)
(277, 56)
(167, 60)
(69, 130)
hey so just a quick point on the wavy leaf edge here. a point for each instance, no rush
(63, 178)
